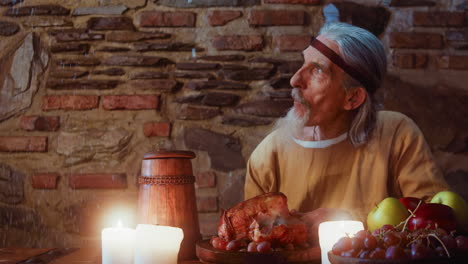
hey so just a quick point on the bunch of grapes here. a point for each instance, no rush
(388, 242)
(243, 245)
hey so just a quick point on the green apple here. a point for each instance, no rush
(457, 203)
(390, 211)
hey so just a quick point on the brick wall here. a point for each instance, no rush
(89, 87)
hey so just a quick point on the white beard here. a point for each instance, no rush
(293, 125)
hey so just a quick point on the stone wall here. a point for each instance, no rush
(89, 87)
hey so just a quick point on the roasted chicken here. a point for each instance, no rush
(263, 218)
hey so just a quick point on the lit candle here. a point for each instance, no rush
(330, 232)
(118, 245)
(157, 244)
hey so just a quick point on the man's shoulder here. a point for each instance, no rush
(395, 122)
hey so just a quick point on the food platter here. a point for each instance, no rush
(334, 259)
(207, 254)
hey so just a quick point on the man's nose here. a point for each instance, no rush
(296, 79)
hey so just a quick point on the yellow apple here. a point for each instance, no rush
(390, 211)
(457, 203)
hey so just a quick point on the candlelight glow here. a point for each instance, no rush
(330, 232)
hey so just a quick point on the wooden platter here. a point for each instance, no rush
(207, 254)
(334, 259)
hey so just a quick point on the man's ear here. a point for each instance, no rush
(354, 98)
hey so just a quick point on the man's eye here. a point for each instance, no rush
(317, 71)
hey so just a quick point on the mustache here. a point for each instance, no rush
(296, 94)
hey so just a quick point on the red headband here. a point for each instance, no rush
(336, 59)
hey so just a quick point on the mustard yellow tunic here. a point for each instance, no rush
(396, 162)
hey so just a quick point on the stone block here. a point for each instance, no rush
(38, 10)
(70, 47)
(224, 150)
(249, 74)
(111, 23)
(44, 180)
(409, 60)
(22, 65)
(194, 75)
(234, 67)
(244, 121)
(10, 2)
(69, 102)
(40, 123)
(99, 10)
(89, 217)
(167, 19)
(221, 85)
(22, 218)
(140, 61)
(281, 82)
(289, 67)
(438, 19)
(222, 57)
(23, 144)
(11, 185)
(190, 99)
(205, 179)
(8, 28)
(118, 36)
(374, 18)
(47, 21)
(130, 102)
(265, 108)
(238, 42)
(301, 2)
(208, 3)
(97, 181)
(157, 129)
(110, 72)
(279, 94)
(209, 222)
(89, 84)
(220, 99)
(194, 66)
(166, 46)
(453, 62)
(77, 61)
(60, 73)
(113, 49)
(291, 42)
(415, 40)
(457, 35)
(207, 204)
(148, 75)
(191, 112)
(105, 143)
(267, 18)
(412, 3)
(76, 35)
(164, 85)
(222, 17)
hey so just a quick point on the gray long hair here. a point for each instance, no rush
(365, 53)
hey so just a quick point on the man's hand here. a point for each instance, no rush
(314, 218)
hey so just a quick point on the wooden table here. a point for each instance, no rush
(55, 256)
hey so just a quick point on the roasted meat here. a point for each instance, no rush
(263, 218)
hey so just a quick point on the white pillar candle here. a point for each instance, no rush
(330, 232)
(118, 245)
(157, 244)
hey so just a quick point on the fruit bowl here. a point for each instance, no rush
(334, 259)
